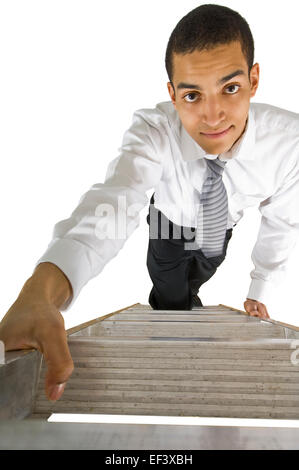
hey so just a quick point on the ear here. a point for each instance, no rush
(254, 79)
(171, 93)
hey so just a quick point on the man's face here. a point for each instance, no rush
(208, 100)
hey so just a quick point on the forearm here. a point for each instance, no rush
(47, 284)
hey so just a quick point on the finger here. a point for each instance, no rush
(256, 309)
(251, 308)
(259, 310)
(59, 362)
(263, 313)
(254, 313)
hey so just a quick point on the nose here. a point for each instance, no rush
(212, 113)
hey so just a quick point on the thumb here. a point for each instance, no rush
(59, 362)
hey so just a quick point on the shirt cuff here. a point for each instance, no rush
(260, 290)
(73, 258)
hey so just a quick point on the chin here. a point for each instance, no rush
(213, 152)
(216, 150)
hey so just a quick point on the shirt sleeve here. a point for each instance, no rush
(108, 213)
(277, 237)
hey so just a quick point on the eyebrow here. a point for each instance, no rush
(183, 85)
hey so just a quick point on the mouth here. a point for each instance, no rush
(217, 135)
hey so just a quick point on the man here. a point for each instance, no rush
(208, 154)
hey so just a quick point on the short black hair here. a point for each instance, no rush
(206, 27)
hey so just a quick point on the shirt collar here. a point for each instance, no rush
(243, 149)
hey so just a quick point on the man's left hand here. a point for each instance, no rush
(256, 309)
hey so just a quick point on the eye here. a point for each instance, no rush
(190, 94)
(232, 86)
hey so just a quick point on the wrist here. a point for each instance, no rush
(47, 284)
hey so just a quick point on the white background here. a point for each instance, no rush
(72, 74)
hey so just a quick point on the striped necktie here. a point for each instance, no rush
(213, 211)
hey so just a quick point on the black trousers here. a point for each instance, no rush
(176, 272)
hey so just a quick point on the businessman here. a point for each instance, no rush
(206, 154)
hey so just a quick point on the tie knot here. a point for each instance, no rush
(216, 165)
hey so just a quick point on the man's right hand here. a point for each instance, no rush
(34, 322)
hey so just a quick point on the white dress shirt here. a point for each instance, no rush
(158, 155)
